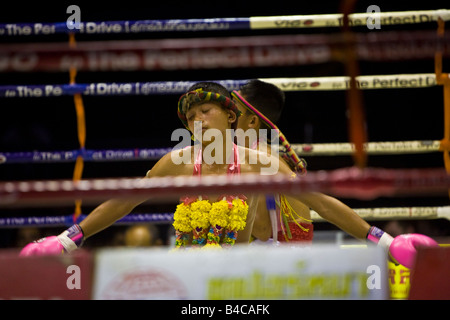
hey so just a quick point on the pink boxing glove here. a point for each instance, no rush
(67, 241)
(403, 248)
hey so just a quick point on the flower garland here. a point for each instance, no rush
(182, 224)
(207, 221)
(218, 218)
(237, 220)
(200, 221)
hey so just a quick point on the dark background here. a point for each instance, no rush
(146, 122)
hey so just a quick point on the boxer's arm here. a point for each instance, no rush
(106, 214)
(112, 210)
(332, 210)
(337, 213)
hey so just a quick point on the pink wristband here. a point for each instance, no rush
(74, 233)
(380, 237)
(375, 234)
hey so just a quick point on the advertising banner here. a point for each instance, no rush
(248, 273)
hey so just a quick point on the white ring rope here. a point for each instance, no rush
(396, 213)
(395, 81)
(373, 148)
(355, 19)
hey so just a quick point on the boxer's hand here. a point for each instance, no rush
(67, 241)
(403, 248)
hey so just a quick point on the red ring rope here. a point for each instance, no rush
(349, 183)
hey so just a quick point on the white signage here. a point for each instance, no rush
(247, 272)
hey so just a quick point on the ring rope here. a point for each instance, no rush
(315, 149)
(67, 220)
(230, 52)
(373, 148)
(396, 213)
(355, 183)
(368, 214)
(395, 81)
(216, 24)
(86, 154)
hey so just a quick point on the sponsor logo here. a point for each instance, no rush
(140, 284)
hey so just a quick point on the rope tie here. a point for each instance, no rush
(444, 80)
(81, 129)
(356, 116)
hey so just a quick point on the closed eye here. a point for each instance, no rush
(205, 110)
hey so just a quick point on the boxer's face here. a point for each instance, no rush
(202, 117)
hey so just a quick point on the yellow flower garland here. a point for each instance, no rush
(237, 220)
(238, 215)
(182, 225)
(182, 218)
(208, 221)
(218, 216)
(199, 214)
(200, 220)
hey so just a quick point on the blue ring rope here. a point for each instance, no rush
(88, 155)
(63, 221)
(108, 89)
(126, 26)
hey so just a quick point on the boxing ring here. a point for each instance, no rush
(358, 182)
